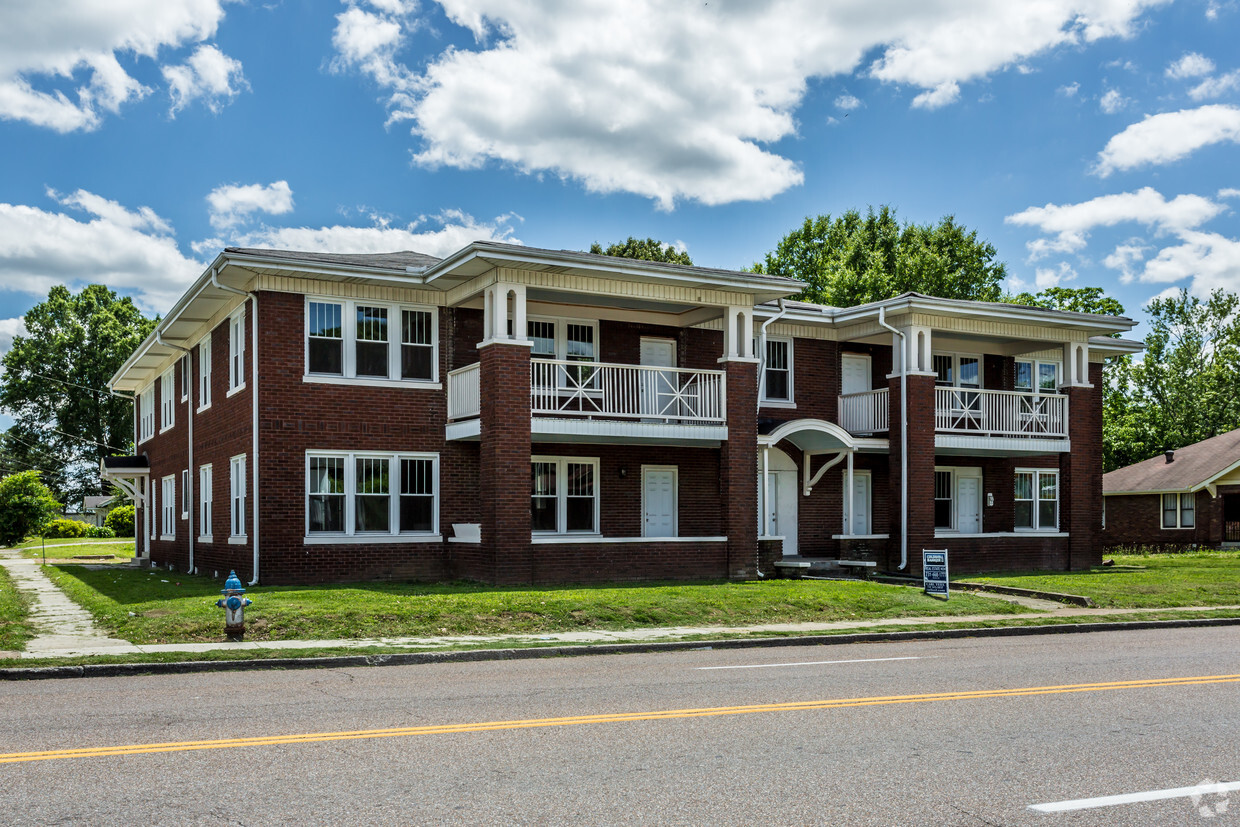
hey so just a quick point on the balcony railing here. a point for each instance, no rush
(1000, 413)
(865, 412)
(606, 391)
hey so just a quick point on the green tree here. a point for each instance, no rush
(26, 505)
(120, 520)
(1073, 300)
(55, 380)
(649, 249)
(855, 259)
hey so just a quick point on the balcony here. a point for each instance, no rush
(967, 412)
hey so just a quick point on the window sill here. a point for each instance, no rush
(777, 403)
(364, 539)
(362, 381)
(167, 538)
(205, 407)
(865, 536)
(206, 539)
(553, 539)
(1178, 527)
(236, 540)
(166, 429)
(234, 391)
(1020, 532)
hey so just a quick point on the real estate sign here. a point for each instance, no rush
(934, 572)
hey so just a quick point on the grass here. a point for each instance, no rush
(14, 609)
(146, 606)
(1200, 578)
(67, 549)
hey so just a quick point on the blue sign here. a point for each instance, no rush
(934, 572)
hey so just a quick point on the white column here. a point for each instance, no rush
(766, 491)
(1075, 365)
(738, 334)
(852, 529)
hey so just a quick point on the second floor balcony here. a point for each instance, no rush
(967, 411)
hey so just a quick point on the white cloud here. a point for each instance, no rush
(1070, 90)
(10, 329)
(1215, 87)
(1125, 257)
(1209, 260)
(58, 60)
(1191, 65)
(1069, 224)
(230, 205)
(1228, 192)
(209, 74)
(677, 101)
(1161, 139)
(132, 251)
(1046, 277)
(1112, 102)
(436, 235)
(847, 102)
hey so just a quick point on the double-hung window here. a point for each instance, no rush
(167, 523)
(236, 351)
(187, 374)
(167, 400)
(146, 414)
(204, 373)
(205, 497)
(1036, 376)
(944, 500)
(370, 340)
(371, 495)
(565, 340)
(1037, 500)
(236, 479)
(1178, 511)
(777, 371)
(185, 494)
(564, 495)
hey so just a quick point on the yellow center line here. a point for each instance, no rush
(607, 718)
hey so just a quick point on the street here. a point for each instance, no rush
(962, 732)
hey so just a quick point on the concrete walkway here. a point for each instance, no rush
(66, 630)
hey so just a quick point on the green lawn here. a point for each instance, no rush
(1204, 578)
(147, 606)
(14, 630)
(68, 548)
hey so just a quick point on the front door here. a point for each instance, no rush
(781, 510)
(658, 501)
(859, 521)
(969, 505)
(658, 387)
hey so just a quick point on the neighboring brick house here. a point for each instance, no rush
(516, 415)
(1189, 496)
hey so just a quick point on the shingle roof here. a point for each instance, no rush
(391, 261)
(1193, 465)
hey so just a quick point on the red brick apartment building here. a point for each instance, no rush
(516, 415)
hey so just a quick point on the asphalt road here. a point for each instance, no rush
(836, 735)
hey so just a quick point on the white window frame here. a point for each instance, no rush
(348, 343)
(956, 356)
(1181, 498)
(154, 511)
(350, 533)
(167, 399)
(206, 503)
(146, 413)
(167, 521)
(187, 373)
(204, 373)
(561, 335)
(1034, 369)
(561, 495)
(236, 351)
(1035, 511)
(767, 399)
(185, 494)
(236, 499)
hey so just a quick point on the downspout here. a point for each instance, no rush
(882, 320)
(762, 350)
(189, 451)
(766, 479)
(215, 282)
(146, 491)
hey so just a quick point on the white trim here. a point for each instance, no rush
(667, 433)
(236, 349)
(999, 446)
(560, 324)
(168, 506)
(952, 535)
(675, 496)
(236, 504)
(1037, 528)
(1034, 364)
(206, 502)
(187, 375)
(879, 536)
(167, 399)
(350, 533)
(955, 356)
(348, 343)
(238, 540)
(368, 539)
(204, 373)
(364, 381)
(786, 402)
(234, 391)
(595, 539)
(561, 495)
(1179, 511)
(186, 489)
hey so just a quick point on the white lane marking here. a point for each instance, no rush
(814, 663)
(1134, 798)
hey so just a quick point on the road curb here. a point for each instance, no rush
(113, 670)
(1058, 597)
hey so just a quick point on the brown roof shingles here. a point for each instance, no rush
(1193, 465)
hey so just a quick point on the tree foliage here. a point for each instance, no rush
(120, 520)
(1073, 300)
(855, 259)
(649, 249)
(55, 380)
(26, 505)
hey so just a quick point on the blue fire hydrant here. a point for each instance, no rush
(233, 603)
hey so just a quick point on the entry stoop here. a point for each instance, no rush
(797, 566)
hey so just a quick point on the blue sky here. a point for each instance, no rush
(1093, 142)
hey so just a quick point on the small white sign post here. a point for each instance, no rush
(934, 572)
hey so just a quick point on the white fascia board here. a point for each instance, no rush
(959, 307)
(1151, 492)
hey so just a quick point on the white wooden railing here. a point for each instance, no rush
(1000, 413)
(564, 388)
(865, 412)
(464, 395)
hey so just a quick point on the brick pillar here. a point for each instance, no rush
(504, 464)
(739, 469)
(920, 471)
(1080, 474)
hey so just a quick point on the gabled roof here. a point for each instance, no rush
(1194, 466)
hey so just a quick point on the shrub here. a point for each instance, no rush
(64, 528)
(120, 520)
(26, 505)
(99, 531)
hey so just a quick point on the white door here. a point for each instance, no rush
(969, 505)
(859, 521)
(784, 479)
(854, 373)
(658, 388)
(658, 502)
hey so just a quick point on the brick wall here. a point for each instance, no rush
(504, 464)
(920, 471)
(815, 383)
(1080, 474)
(1136, 520)
(739, 466)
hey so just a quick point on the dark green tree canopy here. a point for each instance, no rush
(649, 249)
(855, 259)
(1073, 300)
(55, 384)
(26, 505)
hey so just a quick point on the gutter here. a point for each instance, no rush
(253, 409)
(882, 320)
